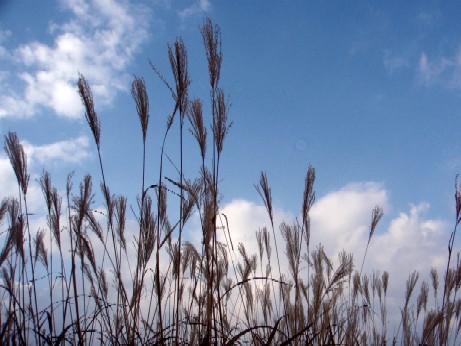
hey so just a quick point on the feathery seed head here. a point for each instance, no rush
(139, 93)
(45, 184)
(265, 193)
(410, 285)
(102, 280)
(3, 208)
(434, 279)
(120, 211)
(90, 114)
(422, 298)
(211, 35)
(17, 227)
(260, 241)
(82, 203)
(198, 129)
(376, 215)
(178, 61)
(309, 193)
(18, 159)
(220, 124)
(40, 250)
(53, 203)
(385, 279)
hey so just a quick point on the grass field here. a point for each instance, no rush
(84, 280)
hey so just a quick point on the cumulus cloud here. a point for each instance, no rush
(7, 178)
(340, 220)
(244, 218)
(10, 189)
(99, 40)
(412, 240)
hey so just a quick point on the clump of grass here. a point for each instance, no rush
(160, 288)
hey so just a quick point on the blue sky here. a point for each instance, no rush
(369, 93)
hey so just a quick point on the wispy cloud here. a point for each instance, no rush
(428, 18)
(198, 7)
(393, 62)
(442, 70)
(99, 40)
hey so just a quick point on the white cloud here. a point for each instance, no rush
(7, 178)
(393, 62)
(443, 70)
(411, 242)
(428, 19)
(4, 34)
(245, 218)
(71, 151)
(99, 41)
(198, 7)
(341, 219)
(428, 72)
(10, 188)
(399, 240)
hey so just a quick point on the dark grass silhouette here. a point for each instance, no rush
(162, 289)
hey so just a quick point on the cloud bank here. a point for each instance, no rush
(340, 220)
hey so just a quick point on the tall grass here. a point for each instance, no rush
(100, 288)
